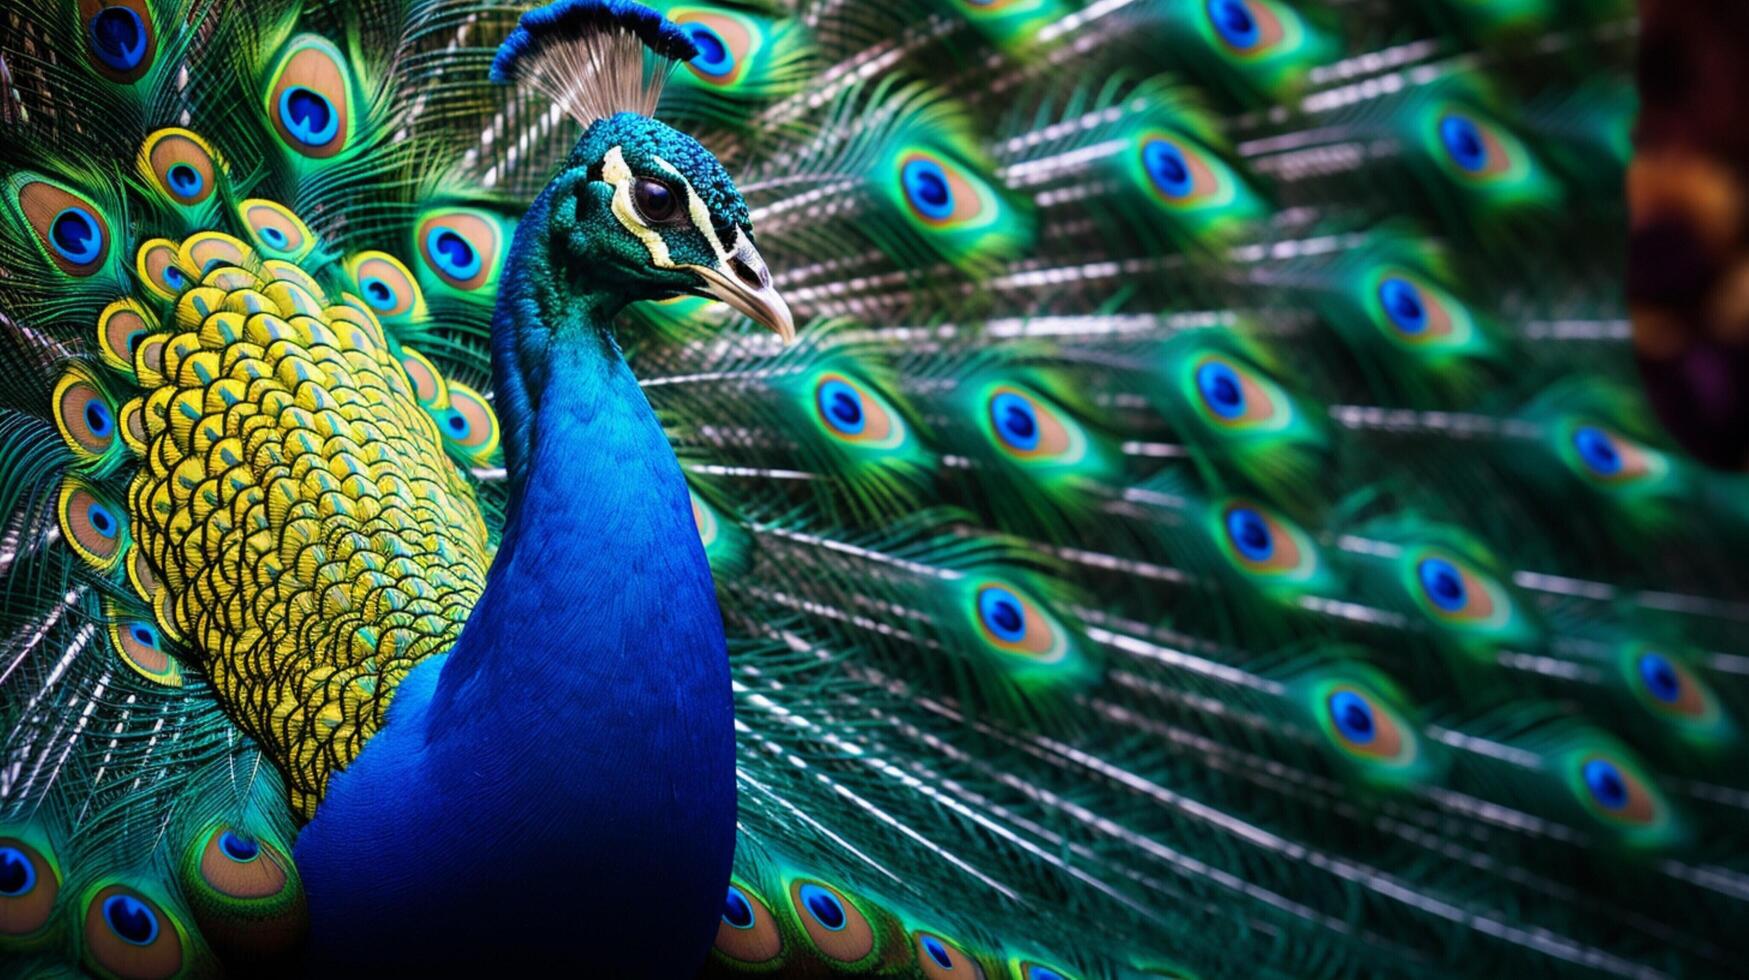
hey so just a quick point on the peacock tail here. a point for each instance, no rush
(1208, 525)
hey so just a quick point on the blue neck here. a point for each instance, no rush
(564, 777)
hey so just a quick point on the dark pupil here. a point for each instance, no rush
(307, 108)
(1446, 584)
(100, 521)
(656, 199)
(1020, 422)
(1663, 678)
(1226, 391)
(1007, 617)
(1609, 787)
(73, 232)
(1237, 18)
(273, 235)
(379, 292)
(238, 848)
(1357, 720)
(931, 187)
(846, 408)
(172, 275)
(1468, 145)
(129, 919)
(1171, 167)
(455, 248)
(710, 47)
(826, 910)
(144, 635)
(1603, 451)
(1252, 534)
(183, 177)
(1408, 308)
(97, 418)
(14, 873)
(457, 423)
(737, 911)
(117, 32)
(938, 953)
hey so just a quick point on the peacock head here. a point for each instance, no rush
(640, 209)
(645, 210)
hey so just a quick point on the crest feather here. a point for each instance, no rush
(588, 56)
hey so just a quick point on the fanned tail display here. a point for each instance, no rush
(1208, 524)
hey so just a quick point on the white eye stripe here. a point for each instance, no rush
(617, 172)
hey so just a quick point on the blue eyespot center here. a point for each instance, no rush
(1015, 420)
(458, 425)
(841, 405)
(1464, 143)
(1221, 389)
(1443, 583)
(184, 179)
(378, 294)
(452, 253)
(76, 236)
(1167, 168)
(130, 919)
(1043, 973)
(238, 848)
(1660, 677)
(101, 520)
(1233, 21)
(1597, 450)
(308, 116)
(118, 37)
(714, 57)
(1250, 533)
(927, 189)
(1003, 614)
(173, 277)
(17, 874)
(98, 419)
(1353, 717)
(1402, 303)
(144, 634)
(1606, 783)
(824, 907)
(272, 236)
(737, 911)
(938, 952)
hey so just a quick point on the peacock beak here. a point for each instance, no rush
(742, 281)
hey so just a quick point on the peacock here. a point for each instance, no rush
(1028, 489)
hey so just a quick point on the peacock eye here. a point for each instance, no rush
(656, 201)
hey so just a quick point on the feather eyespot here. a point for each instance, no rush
(1232, 396)
(1363, 726)
(277, 232)
(94, 528)
(1451, 591)
(726, 44)
(158, 265)
(120, 38)
(462, 248)
(938, 192)
(309, 98)
(1261, 542)
(429, 387)
(853, 413)
(120, 328)
(832, 922)
(942, 960)
(128, 934)
(181, 164)
(84, 416)
(386, 286)
(1600, 455)
(141, 646)
(1038, 971)
(747, 932)
(70, 227)
(1245, 27)
(244, 892)
(1669, 688)
(1014, 623)
(469, 426)
(1615, 792)
(1472, 147)
(1028, 428)
(1181, 175)
(28, 887)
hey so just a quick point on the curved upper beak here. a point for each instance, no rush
(742, 281)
